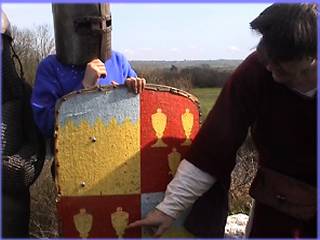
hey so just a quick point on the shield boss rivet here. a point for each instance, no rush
(93, 139)
(83, 184)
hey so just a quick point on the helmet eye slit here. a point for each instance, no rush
(108, 23)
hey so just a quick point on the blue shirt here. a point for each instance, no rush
(54, 80)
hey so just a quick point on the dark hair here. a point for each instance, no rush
(289, 31)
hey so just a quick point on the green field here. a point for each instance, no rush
(207, 98)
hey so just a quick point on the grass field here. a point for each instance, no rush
(207, 98)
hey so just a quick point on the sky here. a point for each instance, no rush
(159, 31)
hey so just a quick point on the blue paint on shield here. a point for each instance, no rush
(117, 103)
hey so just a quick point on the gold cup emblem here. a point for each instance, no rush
(187, 124)
(174, 159)
(119, 221)
(159, 122)
(83, 223)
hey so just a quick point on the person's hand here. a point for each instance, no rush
(94, 70)
(154, 219)
(114, 84)
(136, 84)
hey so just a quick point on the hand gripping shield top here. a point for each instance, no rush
(82, 32)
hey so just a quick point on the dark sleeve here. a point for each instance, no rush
(215, 146)
(21, 169)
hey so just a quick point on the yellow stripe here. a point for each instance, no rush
(108, 166)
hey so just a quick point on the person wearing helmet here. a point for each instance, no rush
(274, 94)
(83, 59)
(23, 148)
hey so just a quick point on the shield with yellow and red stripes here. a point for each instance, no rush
(115, 153)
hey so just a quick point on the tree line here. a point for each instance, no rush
(186, 78)
(33, 45)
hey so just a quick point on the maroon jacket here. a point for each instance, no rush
(282, 121)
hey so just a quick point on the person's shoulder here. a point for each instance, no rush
(251, 65)
(118, 57)
(251, 72)
(252, 60)
(49, 61)
(117, 54)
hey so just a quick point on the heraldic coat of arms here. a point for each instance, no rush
(115, 153)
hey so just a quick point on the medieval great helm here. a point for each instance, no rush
(82, 32)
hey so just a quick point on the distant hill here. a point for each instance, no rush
(220, 63)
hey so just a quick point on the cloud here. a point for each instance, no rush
(145, 49)
(128, 51)
(234, 49)
(174, 50)
(192, 46)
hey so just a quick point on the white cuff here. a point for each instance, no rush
(186, 187)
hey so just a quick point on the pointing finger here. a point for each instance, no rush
(138, 223)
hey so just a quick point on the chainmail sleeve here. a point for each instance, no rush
(34, 137)
(23, 148)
